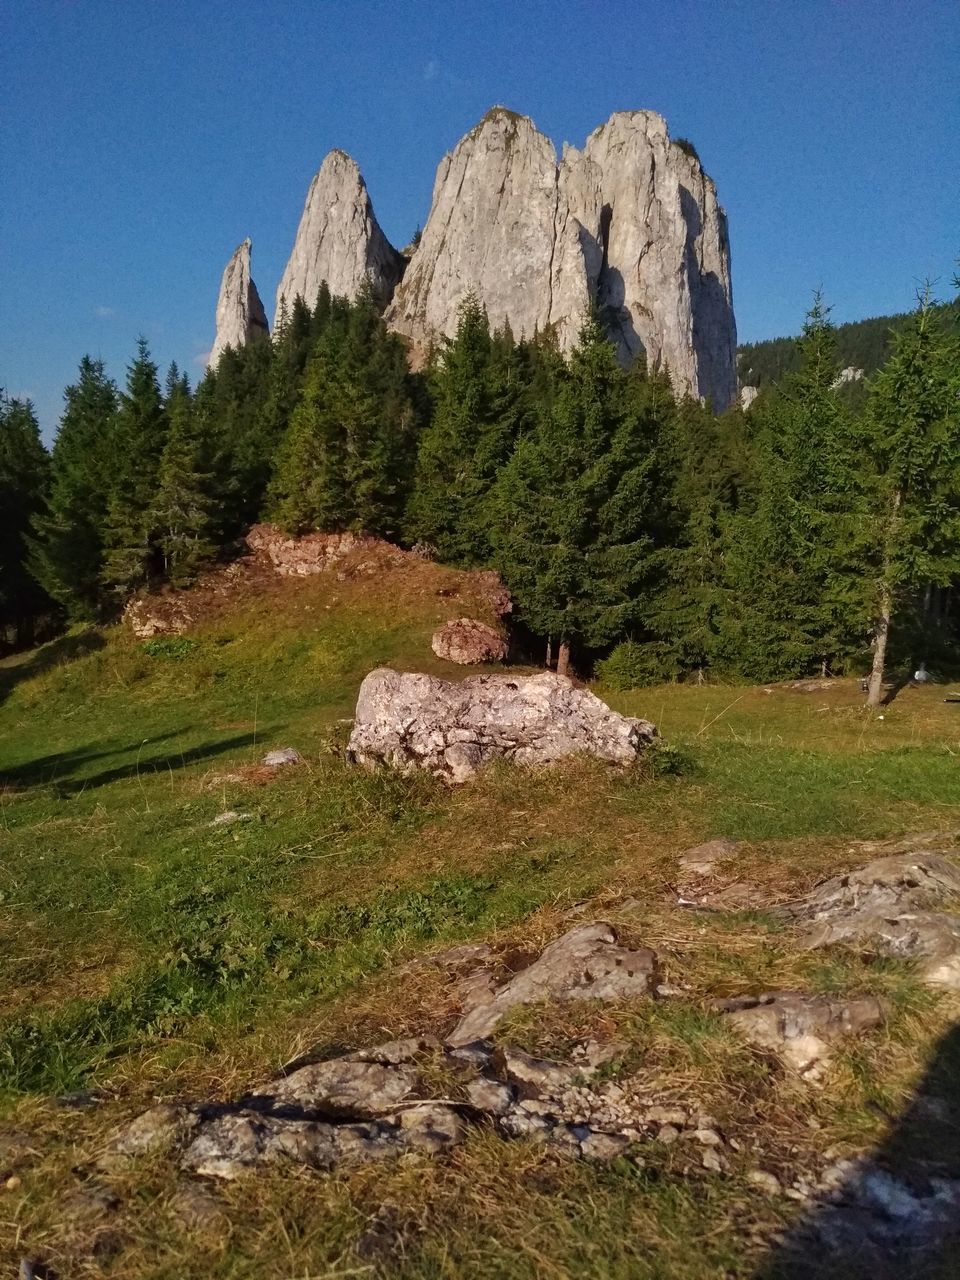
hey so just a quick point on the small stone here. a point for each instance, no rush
(765, 1182)
(668, 1133)
(707, 1137)
(490, 1097)
(282, 756)
(711, 1161)
(231, 816)
(666, 1115)
(12, 1183)
(603, 1146)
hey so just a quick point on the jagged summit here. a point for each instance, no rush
(240, 313)
(629, 222)
(339, 239)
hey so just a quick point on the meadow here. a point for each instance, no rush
(147, 954)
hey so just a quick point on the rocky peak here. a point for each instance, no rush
(240, 313)
(339, 240)
(490, 232)
(630, 223)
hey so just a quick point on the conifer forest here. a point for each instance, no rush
(642, 536)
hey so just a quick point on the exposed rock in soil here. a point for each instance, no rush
(800, 1028)
(466, 641)
(586, 963)
(412, 721)
(701, 860)
(886, 907)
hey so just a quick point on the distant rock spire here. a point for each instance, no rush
(240, 313)
(339, 240)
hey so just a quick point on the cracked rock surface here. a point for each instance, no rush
(412, 721)
(800, 1028)
(587, 963)
(888, 906)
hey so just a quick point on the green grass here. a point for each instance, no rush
(144, 952)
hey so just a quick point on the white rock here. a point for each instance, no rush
(631, 223)
(240, 313)
(338, 240)
(412, 721)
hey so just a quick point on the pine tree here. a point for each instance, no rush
(67, 549)
(794, 556)
(183, 516)
(345, 459)
(24, 473)
(138, 440)
(477, 392)
(578, 509)
(913, 420)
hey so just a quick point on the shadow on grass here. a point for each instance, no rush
(54, 654)
(66, 772)
(897, 1212)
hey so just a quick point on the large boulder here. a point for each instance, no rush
(412, 721)
(466, 642)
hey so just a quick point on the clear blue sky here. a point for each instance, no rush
(141, 140)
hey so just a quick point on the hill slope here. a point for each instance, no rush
(861, 344)
(147, 954)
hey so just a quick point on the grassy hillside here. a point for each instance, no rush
(862, 344)
(147, 954)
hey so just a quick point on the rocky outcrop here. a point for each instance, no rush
(800, 1028)
(413, 721)
(888, 906)
(587, 963)
(630, 223)
(468, 642)
(338, 241)
(240, 313)
(312, 552)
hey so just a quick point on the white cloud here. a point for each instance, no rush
(431, 71)
(104, 313)
(201, 358)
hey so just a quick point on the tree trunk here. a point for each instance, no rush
(875, 688)
(549, 662)
(563, 658)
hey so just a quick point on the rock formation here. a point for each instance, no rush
(413, 721)
(467, 642)
(631, 222)
(240, 313)
(339, 240)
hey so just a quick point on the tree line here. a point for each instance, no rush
(640, 534)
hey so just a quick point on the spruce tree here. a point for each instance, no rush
(24, 473)
(913, 419)
(795, 598)
(477, 391)
(578, 507)
(183, 517)
(67, 549)
(138, 440)
(345, 459)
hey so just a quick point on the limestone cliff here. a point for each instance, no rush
(630, 222)
(240, 313)
(339, 240)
